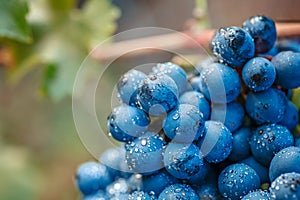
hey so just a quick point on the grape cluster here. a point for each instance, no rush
(227, 131)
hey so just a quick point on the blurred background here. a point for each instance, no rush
(42, 44)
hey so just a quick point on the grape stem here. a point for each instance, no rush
(174, 42)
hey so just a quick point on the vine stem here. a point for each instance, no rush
(174, 42)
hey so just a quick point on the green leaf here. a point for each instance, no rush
(13, 22)
(84, 28)
(48, 78)
(97, 21)
(62, 39)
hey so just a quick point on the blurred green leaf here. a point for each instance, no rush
(62, 40)
(13, 22)
(97, 21)
(48, 77)
(68, 45)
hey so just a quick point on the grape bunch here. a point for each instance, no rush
(227, 128)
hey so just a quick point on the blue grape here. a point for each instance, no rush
(233, 45)
(291, 117)
(207, 191)
(178, 191)
(258, 74)
(286, 160)
(127, 122)
(184, 124)
(263, 31)
(262, 171)
(91, 177)
(158, 94)
(145, 153)
(287, 64)
(173, 71)
(286, 186)
(237, 180)
(128, 86)
(268, 140)
(216, 145)
(135, 182)
(157, 182)
(117, 189)
(120, 196)
(140, 195)
(114, 160)
(220, 83)
(194, 83)
(240, 147)
(272, 52)
(288, 45)
(268, 106)
(257, 195)
(183, 161)
(201, 175)
(197, 99)
(100, 195)
(232, 114)
(205, 62)
(297, 142)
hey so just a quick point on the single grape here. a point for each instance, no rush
(197, 99)
(216, 144)
(287, 64)
(286, 160)
(258, 74)
(263, 31)
(128, 86)
(268, 140)
(220, 83)
(145, 153)
(268, 106)
(184, 124)
(127, 122)
(178, 191)
(158, 94)
(237, 180)
(91, 177)
(286, 186)
(183, 161)
(233, 45)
